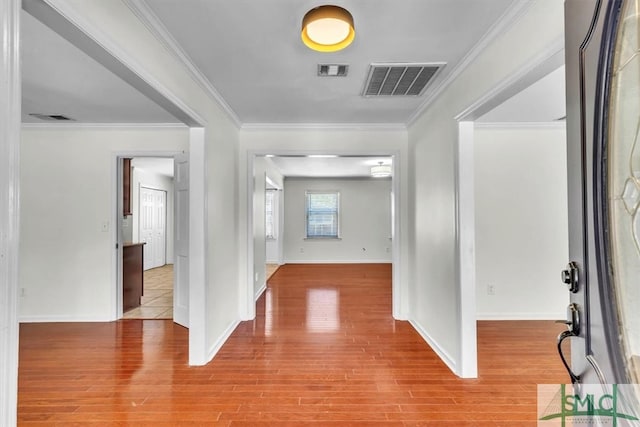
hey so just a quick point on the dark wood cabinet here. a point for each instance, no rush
(126, 187)
(132, 275)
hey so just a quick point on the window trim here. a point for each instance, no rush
(338, 235)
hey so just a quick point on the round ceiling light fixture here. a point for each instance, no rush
(328, 28)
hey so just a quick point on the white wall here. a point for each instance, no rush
(144, 178)
(432, 137)
(365, 221)
(521, 221)
(67, 182)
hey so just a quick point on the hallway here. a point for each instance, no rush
(323, 350)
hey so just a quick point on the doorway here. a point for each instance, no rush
(256, 237)
(146, 231)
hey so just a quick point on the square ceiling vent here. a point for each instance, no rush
(400, 79)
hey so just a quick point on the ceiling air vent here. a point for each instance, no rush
(51, 117)
(332, 70)
(399, 79)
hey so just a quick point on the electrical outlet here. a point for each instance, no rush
(301, 250)
(388, 250)
(22, 292)
(491, 290)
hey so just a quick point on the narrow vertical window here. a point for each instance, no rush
(323, 214)
(269, 214)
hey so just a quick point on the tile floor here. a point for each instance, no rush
(157, 301)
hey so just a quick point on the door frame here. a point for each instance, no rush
(399, 289)
(197, 241)
(539, 66)
(117, 191)
(10, 123)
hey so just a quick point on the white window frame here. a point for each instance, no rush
(338, 214)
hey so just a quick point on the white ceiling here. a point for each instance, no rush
(249, 52)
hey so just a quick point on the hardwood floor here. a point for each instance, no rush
(323, 351)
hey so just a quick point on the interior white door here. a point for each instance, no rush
(181, 245)
(153, 219)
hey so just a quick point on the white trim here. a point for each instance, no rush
(339, 261)
(442, 353)
(142, 10)
(260, 291)
(516, 10)
(465, 251)
(63, 318)
(198, 247)
(521, 316)
(216, 346)
(378, 127)
(10, 103)
(548, 60)
(67, 126)
(520, 125)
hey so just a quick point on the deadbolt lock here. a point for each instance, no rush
(570, 277)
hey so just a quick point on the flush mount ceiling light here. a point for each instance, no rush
(328, 28)
(381, 170)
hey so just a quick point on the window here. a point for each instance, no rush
(323, 208)
(270, 215)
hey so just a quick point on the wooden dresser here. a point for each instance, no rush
(132, 274)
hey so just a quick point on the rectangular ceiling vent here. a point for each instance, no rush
(51, 117)
(400, 79)
(332, 70)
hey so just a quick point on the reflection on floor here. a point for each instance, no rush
(157, 301)
(271, 269)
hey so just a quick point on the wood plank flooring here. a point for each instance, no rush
(322, 351)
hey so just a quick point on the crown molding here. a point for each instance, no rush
(144, 13)
(516, 10)
(521, 125)
(63, 126)
(378, 127)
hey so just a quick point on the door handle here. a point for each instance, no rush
(573, 330)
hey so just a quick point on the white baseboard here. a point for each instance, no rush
(520, 316)
(260, 292)
(339, 261)
(446, 358)
(62, 318)
(215, 348)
